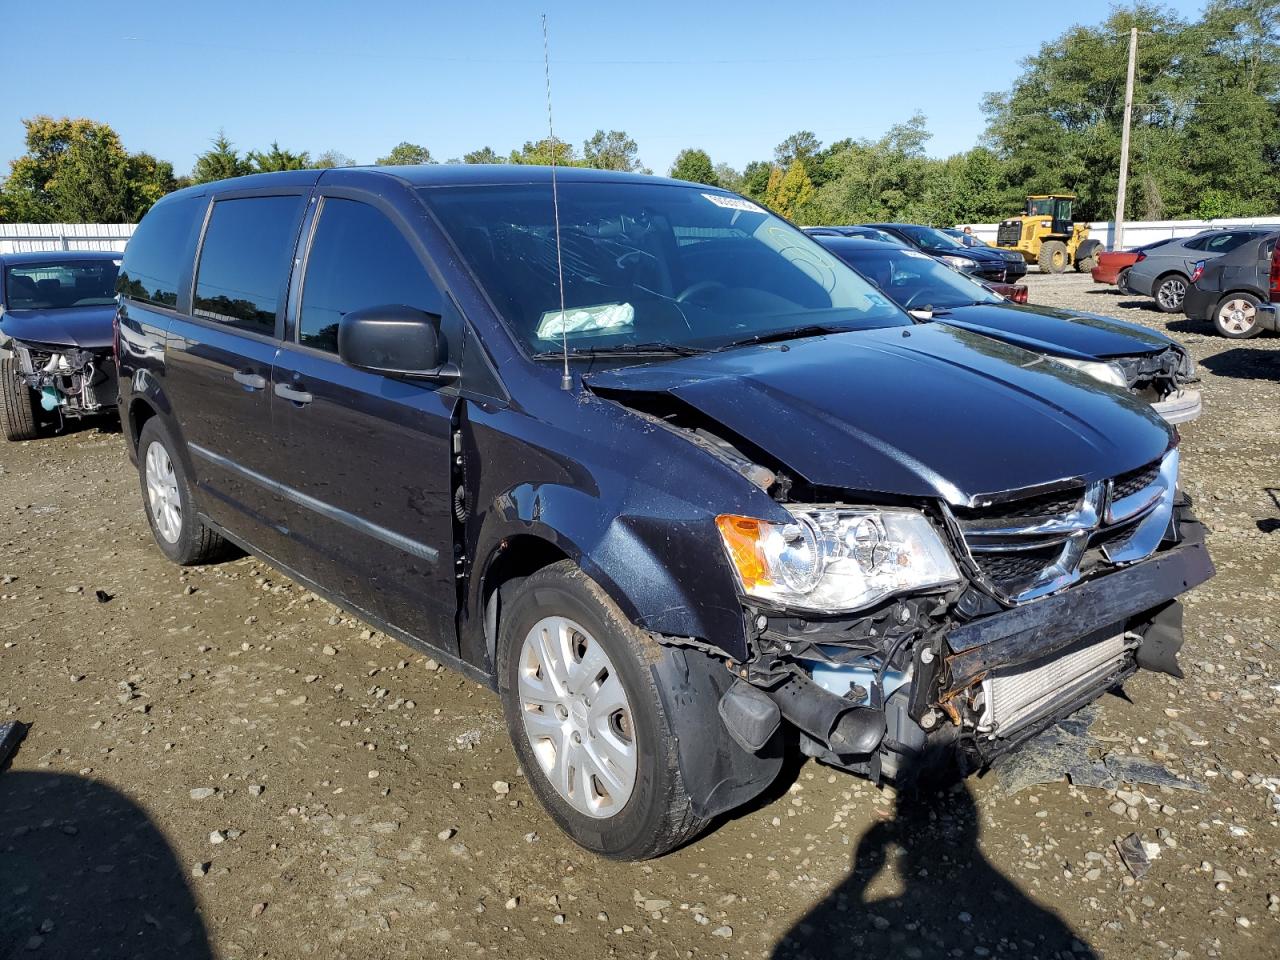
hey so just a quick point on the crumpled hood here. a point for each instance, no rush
(924, 411)
(86, 327)
(1062, 332)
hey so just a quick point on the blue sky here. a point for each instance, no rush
(733, 79)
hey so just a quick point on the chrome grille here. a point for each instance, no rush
(1013, 696)
(1033, 546)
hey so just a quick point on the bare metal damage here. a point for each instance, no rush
(68, 381)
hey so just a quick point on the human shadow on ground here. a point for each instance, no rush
(951, 900)
(84, 873)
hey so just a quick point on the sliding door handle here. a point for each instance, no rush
(249, 380)
(287, 392)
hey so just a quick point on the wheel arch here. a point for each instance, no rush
(657, 571)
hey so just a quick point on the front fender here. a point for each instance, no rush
(665, 574)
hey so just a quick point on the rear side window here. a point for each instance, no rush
(1226, 242)
(244, 261)
(1199, 243)
(358, 259)
(158, 251)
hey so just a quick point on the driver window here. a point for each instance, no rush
(358, 259)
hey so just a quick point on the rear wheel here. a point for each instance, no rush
(166, 495)
(586, 720)
(1236, 316)
(1169, 292)
(1087, 255)
(1122, 281)
(1053, 257)
(17, 404)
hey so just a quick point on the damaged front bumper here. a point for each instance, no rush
(69, 381)
(943, 687)
(1182, 406)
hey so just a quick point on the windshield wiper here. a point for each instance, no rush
(654, 349)
(794, 333)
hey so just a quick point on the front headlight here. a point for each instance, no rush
(963, 264)
(835, 559)
(1106, 372)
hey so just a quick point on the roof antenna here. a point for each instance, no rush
(565, 382)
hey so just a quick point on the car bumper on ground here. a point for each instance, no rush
(1181, 407)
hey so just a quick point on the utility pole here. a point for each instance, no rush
(1117, 236)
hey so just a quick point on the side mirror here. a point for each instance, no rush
(396, 340)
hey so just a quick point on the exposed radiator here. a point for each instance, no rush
(1015, 695)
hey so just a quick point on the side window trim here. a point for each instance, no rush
(283, 293)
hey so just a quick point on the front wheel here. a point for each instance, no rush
(1053, 257)
(1236, 316)
(1170, 290)
(17, 404)
(586, 719)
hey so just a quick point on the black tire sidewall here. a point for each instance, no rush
(184, 550)
(21, 414)
(562, 590)
(1217, 315)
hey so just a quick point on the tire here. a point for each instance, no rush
(17, 404)
(1053, 257)
(1122, 281)
(1087, 255)
(166, 498)
(1169, 291)
(1236, 316)
(559, 610)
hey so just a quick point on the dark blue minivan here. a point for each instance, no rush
(681, 487)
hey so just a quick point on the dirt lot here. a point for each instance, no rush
(221, 764)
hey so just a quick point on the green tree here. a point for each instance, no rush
(755, 178)
(729, 178)
(77, 170)
(541, 152)
(799, 146)
(277, 158)
(1199, 86)
(332, 158)
(483, 155)
(790, 192)
(219, 162)
(612, 151)
(405, 154)
(695, 166)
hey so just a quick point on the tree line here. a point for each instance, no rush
(1205, 142)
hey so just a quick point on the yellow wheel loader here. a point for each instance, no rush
(1046, 235)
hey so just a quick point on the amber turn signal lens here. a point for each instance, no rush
(743, 538)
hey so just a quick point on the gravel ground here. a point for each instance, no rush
(221, 764)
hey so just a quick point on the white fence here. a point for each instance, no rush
(1138, 232)
(31, 237)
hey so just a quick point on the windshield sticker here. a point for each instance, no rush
(733, 203)
(605, 316)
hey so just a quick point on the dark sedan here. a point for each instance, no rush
(55, 338)
(1145, 362)
(983, 262)
(1232, 292)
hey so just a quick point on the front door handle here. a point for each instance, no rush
(249, 379)
(289, 393)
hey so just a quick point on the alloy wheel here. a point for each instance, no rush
(162, 493)
(577, 717)
(1171, 293)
